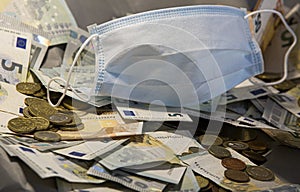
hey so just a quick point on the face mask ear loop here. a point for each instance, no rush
(67, 82)
(286, 56)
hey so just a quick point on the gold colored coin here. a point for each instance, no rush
(60, 119)
(194, 149)
(73, 104)
(26, 113)
(53, 128)
(236, 175)
(46, 136)
(247, 135)
(41, 93)
(209, 139)
(233, 163)
(28, 88)
(219, 151)
(268, 77)
(202, 182)
(185, 153)
(41, 123)
(29, 100)
(260, 173)
(257, 145)
(21, 125)
(41, 109)
(285, 86)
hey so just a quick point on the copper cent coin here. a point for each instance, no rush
(260, 173)
(257, 145)
(219, 151)
(233, 163)
(236, 175)
(236, 145)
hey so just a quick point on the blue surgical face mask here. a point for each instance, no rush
(179, 56)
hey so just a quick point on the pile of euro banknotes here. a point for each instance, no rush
(128, 146)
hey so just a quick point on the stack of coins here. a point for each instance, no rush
(41, 119)
(238, 171)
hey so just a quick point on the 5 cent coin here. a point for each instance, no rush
(236, 175)
(233, 163)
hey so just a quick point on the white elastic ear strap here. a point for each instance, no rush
(287, 53)
(67, 82)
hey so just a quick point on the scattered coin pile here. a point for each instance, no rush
(41, 119)
(236, 169)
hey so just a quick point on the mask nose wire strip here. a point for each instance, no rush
(67, 82)
(287, 53)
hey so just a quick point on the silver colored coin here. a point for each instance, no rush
(236, 145)
(60, 119)
(47, 136)
(219, 151)
(260, 173)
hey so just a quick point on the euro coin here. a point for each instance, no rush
(60, 119)
(21, 125)
(202, 182)
(257, 145)
(72, 128)
(73, 104)
(75, 119)
(247, 135)
(40, 123)
(208, 140)
(28, 88)
(260, 173)
(185, 153)
(236, 175)
(29, 100)
(233, 163)
(46, 136)
(219, 151)
(255, 157)
(41, 109)
(236, 145)
(41, 93)
(53, 128)
(26, 113)
(285, 86)
(268, 77)
(194, 149)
